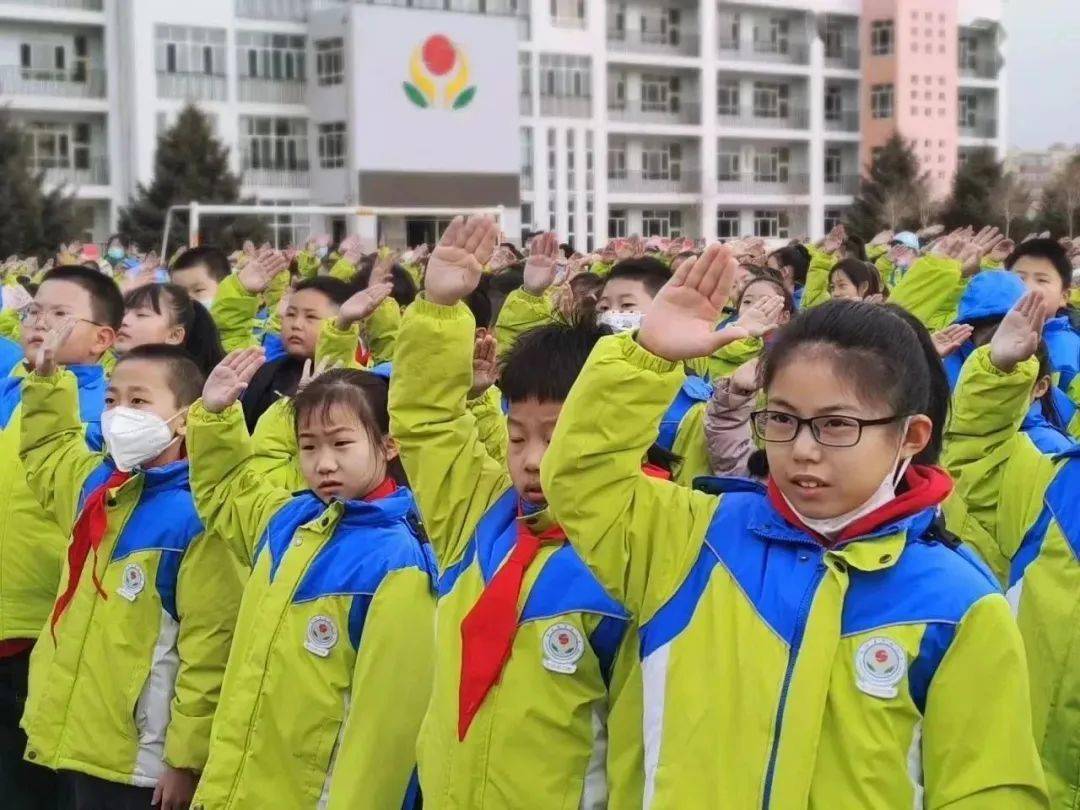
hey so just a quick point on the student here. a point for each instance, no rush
(792, 263)
(534, 702)
(1044, 267)
(200, 271)
(116, 249)
(31, 543)
(125, 680)
(11, 355)
(331, 668)
(165, 313)
(1017, 506)
(820, 642)
(854, 280)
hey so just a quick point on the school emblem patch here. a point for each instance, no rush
(322, 635)
(133, 581)
(880, 664)
(563, 645)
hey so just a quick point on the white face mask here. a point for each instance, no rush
(832, 527)
(135, 437)
(620, 321)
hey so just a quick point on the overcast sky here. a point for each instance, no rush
(1044, 72)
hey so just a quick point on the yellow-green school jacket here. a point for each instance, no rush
(546, 736)
(330, 669)
(884, 673)
(931, 290)
(1019, 508)
(132, 680)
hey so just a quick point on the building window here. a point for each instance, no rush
(570, 13)
(881, 37)
(552, 221)
(728, 162)
(54, 145)
(526, 157)
(590, 217)
(728, 25)
(659, 93)
(261, 55)
(590, 164)
(566, 84)
(571, 174)
(771, 224)
(525, 73)
(834, 39)
(551, 162)
(833, 217)
(526, 218)
(665, 224)
(662, 163)
(616, 161)
(330, 61)
(727, 224)
(834, 103)
(773, 37)
(969, 52)
(727, 97)
(278, 144)
(186, 49)
(616, 224)
(772, 100)
(881, 101)
(969, 110)
(772, 165)
(834, 164)
(332, 145)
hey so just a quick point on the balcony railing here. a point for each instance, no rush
(844, 184)
(685, 181)
(844, 121)
(791, 53)
(640, 111)
(85, 5)
(271, 91)
(96, 174)
(525, 103)
(758, 183)
(844, 58)
(671, 42)
(276, 178)
(981, 69)
(981, 128)
(566, 106)
(191, 86)
(20, 81)
(288, 10)
(791, 118)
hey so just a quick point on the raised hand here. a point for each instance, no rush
(485, 364)
(1002, 250)
(258, 271)
(454, 268)
(541, 265)
(882, 238)
(502, 258)
(760, 318)
(1018, 336)
(362, 304)
(681, 322)
(45, 364)
(230, 378)
(951, 338)
(930, 232)
(834, 240)
(310, 371)
(350, 249)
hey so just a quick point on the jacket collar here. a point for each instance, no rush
(169, 476)
(378, 511)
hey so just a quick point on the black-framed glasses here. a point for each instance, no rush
(831, 430)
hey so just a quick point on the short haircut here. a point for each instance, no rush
(335, 289)
(651, 272)
(860, 272)
(479, 304)
(184, 378)
(213, 259)
(403, 288)
(766, 276)
(1048, 249)
(797, 257)
(106, 303)
(544, 363)
(855, 247)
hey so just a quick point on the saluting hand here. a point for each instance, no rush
(1018, 336)
(454, 268)
(230, 378)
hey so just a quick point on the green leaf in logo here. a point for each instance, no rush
(465, 98)
(415, 96)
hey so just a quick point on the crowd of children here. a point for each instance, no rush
(669, 525)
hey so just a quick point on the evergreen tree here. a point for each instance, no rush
(190, 164)
(892, 194)
(975, 190)
(1060, 204)
(32, 221)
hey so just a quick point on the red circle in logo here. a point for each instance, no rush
(439, 55)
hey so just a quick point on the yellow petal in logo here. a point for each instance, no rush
(460, 80)
(420, 79)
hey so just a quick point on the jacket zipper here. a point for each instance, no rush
(796, 643)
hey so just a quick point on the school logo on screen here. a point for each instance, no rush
(439, 71)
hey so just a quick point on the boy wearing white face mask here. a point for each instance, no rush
(125, 680)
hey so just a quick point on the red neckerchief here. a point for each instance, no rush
(925, 487)
(386, 488)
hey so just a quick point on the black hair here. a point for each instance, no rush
(651, 272)
(201, 339)
(860, 273)
(402, 286)
(122, 238)
(1048, 249)
(797, 257)
(479, 304)
(335, 289)
(854, 248)
(544, 362)
(586, 289)
(1046, 401)
(566, 249)
(763, 275)
(106, 303)
(213, 259)
(878, 349)
(185, 378)
(364, 394)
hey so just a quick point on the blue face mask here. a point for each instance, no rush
(115, 253)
